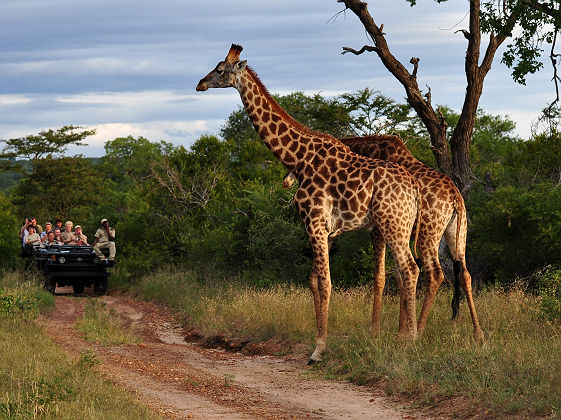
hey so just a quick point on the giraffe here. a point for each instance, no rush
(339, 190)
(444, 213)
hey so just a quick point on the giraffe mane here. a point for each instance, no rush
(377, 137)
(276, 107)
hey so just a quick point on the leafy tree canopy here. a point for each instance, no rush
(48, 143)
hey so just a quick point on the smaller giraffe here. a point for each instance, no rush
(339, 190)
(444, 213)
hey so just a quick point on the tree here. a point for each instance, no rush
(370, 113)
(48, 143)
(538, 23)
(128, 160)
(66, 187)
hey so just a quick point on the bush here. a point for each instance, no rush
(9, 239)
(22, 297)
(549, 287)
(516, 230)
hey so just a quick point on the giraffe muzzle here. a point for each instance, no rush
(201, 87)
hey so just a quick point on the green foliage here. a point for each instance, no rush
(9, 234)
(275, 235)
(517, 230)
(21, 297)
(48, 143)
(549, 288)
(373, 113)
(326, 115)
(218, 206)
(66, 188)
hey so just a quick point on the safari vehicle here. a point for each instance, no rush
(71, 265)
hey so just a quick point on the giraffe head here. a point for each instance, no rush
(225, 72)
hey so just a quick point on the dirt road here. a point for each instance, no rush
(179, 379)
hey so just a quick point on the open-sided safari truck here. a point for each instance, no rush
(70, 265)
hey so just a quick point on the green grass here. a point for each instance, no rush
(38, 379)
(99, 325)
(516, 371)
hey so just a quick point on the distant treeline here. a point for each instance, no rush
(219, 207)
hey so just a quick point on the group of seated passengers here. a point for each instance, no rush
(33, 235)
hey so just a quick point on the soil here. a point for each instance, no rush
(177, 375)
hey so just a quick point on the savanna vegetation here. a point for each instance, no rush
(210, 231)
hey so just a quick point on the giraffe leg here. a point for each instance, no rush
(379, 247)
(466, 285)
(457, 245)
(402, 329)
(433, 277)
(320, 283)
(408, 273)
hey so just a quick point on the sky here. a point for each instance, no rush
(130, 67)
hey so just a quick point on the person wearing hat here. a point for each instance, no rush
(105, 238)
(79, 238)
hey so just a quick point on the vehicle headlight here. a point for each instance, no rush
(62, 260)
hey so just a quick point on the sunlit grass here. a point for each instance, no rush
(516, 370)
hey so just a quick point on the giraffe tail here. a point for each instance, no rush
(460, 213)
(417, 223)
(457, 291)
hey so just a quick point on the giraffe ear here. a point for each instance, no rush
(240, 65)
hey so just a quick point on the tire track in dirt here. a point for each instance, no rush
(178, 379)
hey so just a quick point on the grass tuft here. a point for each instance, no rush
(100, 326)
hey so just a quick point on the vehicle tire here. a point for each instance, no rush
(78, 286)
(50, 284)
(100, 286)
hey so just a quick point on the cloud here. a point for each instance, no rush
(14, 100)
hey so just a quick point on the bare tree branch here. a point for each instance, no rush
(198, 194)
(553, 57)
(415, 62)
(363, 49)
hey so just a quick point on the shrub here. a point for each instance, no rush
(517, 230)
(549, 287)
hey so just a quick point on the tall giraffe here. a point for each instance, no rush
(443, 213)
(339, 190)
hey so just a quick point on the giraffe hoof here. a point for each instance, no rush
(479, 336)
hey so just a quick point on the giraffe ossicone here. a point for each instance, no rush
(339, 190)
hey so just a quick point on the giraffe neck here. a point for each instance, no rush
(287, 139)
